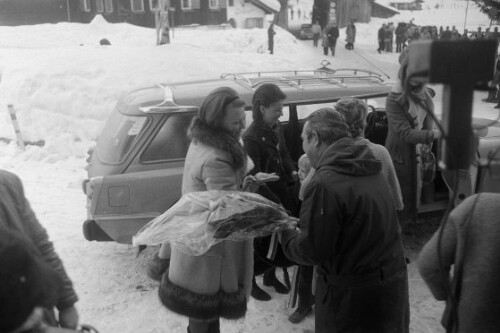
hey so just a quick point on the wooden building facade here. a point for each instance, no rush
(142, 12)
(24, 12)
(351, 10)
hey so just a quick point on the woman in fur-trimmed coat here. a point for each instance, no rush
(217, 283)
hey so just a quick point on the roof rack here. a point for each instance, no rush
(299, 78)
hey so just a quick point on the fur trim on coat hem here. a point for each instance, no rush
(203, 307)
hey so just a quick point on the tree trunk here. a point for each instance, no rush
(282, 18)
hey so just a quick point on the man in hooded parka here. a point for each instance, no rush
(349, 230)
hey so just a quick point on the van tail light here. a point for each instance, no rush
(84, 186)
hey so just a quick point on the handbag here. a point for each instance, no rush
(377, 126)
(428, 171)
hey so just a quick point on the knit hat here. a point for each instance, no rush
(26, 281)
(212, 110)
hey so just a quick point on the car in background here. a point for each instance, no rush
(135, 170)
(305, 31)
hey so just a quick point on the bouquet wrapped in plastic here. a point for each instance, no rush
(200, 220)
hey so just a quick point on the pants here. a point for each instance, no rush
(333, 43)
(325, 50)
(399, 46)
(306, 298)
(315, 40)
(381, 45)
(376, 306)
(388, 46)
(271, 46)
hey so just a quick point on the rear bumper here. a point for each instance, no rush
(120, 228)
(92, 232)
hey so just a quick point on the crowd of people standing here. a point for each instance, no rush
(404, 33)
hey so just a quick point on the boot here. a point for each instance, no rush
(299, 315)
(258, 293)
(156, 267)
(270, 280)
(215, 327)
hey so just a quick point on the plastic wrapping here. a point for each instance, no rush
(200, 220)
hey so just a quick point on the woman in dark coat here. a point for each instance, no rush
(410, 127)
(265, 145)
(270, 38)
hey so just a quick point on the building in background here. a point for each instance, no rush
(24, 12)
(405, 4)
(382, 9)
(251, 13)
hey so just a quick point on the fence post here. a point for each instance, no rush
(13, 117)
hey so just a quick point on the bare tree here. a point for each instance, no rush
(489, 7)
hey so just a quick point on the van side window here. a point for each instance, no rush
(171, 141)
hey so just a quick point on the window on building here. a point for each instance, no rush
(137, 5)
(154, 5)
(254, 22)
(108, 6)
(85, 5)
(231, 3)
(186, 4)
(99, 6)
(213, 4)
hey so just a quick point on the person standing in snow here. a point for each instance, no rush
(355, 112)
(16, 215)
(349, 230)
(381, 37)
(270, 38)
(351, 35)
(325, 42)
(333, 35)
(316, 29)
(217, 283)
(410, 129)
(400, 30)
(305, 273)
(265, 145)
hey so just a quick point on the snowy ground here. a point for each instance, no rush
(63, 85)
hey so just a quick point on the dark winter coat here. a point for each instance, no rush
(402, 138)
(218, 282)
(16, 214)
(267, 149)
(381, 34)
(350, 33)
(471, 243)
(333, 34)
(350, 231)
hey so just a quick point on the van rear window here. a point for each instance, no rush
(119, 136)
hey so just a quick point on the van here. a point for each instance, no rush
(135, 170)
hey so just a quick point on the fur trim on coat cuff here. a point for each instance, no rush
(204, 307)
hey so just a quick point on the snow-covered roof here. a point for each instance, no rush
(402, 1)
(273, 5)
(388, 2)
(385, 4)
